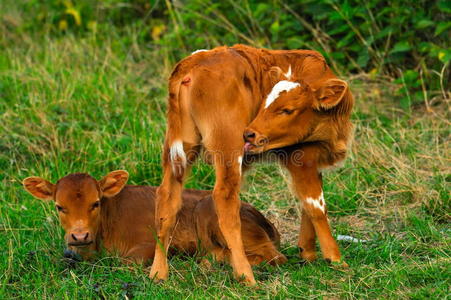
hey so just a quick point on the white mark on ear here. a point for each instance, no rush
(240, 162)
(200, 50)
(281, 86)
(176, 153)
(317, 202)
(288, 73)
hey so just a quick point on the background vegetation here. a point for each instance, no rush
(408, 41)
(83, 88)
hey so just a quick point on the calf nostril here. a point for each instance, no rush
(80, 237)
(262, 140)
(249, 134)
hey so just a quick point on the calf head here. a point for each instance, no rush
(78, 200)
(296, 112)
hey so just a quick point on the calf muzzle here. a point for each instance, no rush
(253, 139)
(79, 239)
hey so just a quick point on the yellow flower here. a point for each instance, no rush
(62, 25)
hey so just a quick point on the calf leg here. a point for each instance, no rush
(141, 253)
(168, 203)
(260, 237)
(227, 205)
(308, 186)
(267, 252)
(307, 237)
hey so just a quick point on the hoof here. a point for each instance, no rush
(250, 282)
(157, 276)
(308, 256)
(158, 281)
(280, 259)
(339, 264)
(205, 264)
(247, 280)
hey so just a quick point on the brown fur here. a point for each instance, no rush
(124, 223)
(225, 98)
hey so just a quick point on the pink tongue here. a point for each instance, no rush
(247, 146)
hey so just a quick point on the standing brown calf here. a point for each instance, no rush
(213, 96)
(121, 218)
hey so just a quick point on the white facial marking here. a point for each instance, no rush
(288, 73)
(240, 162)
(176, 152)
(317, 202)
(280, 87)
(200, 50)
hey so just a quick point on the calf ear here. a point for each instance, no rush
(331, 93)
(276, 75)
(113, 183)
(38, 187)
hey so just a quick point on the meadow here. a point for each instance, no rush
(95, 102)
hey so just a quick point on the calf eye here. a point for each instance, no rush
(96, 205)
(59, 208)
(287, 111)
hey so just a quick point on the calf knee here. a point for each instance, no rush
(225, 197)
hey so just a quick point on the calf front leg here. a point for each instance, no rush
(227, 205)
(308, 186)
(307, 237)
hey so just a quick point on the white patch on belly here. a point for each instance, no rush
(176, 152)
(281, 86)
(317, 202)
(240, 162)
(288, 73)
(200, 50)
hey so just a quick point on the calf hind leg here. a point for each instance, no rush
(168, 203)
(260, 237)
(267, 253)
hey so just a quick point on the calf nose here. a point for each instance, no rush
(80, 237)
(248, 135)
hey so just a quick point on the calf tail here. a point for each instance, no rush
(173, 149)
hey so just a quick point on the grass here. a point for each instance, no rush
(96, 103)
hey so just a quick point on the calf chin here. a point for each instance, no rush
(85, 252)
(72, 255)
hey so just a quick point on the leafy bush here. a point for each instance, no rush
(404, 39)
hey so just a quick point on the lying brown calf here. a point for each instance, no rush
(121, 218)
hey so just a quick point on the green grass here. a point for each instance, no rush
(96, 103)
